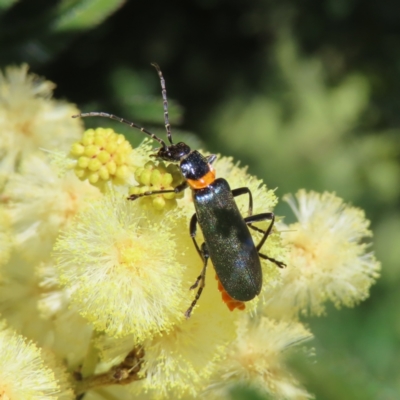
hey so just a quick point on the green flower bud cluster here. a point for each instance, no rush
(157, 176)
(102, 155)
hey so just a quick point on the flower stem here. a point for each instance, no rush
(121, 374)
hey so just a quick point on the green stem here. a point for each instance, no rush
(122, 374)
(92, 357)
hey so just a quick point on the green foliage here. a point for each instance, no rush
(135, 93)
(244, 392)
(82, 14)
(5, 4)
(55, 25)
(309, 132)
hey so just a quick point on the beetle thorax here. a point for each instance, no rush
(197, 171)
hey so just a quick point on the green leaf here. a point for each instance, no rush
(5, 4)
(83, 14)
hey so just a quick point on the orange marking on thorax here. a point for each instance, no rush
(228, 300)
(204, 181)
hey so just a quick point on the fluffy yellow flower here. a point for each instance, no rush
(257, 358)
(181, 362)
(30, 119)
(61, 318)
(40, 203)
(119, 264)
(25, 373)
(328, 259)
(32, 303)
(19, 293)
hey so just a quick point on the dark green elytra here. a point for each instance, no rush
(229, 242)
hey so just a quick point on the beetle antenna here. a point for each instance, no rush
(124, 121)
(165, 101)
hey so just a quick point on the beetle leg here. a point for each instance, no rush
(246, 190)
(178, 189)
(263, 217)
(203, 253)
(201, 279)
(279, 264)
(193, 231)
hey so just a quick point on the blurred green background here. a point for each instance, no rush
(304, 92)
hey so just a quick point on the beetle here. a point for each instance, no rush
(227, 239)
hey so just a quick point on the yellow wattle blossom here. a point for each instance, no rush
(119, 264)
(35, 306)
(257, 358)
(40, 202)
(328, 259)
(180, 363)
(26, 373)
(158, 176)
(63, 320)
(18, 300)
(101, 156)
(30, 119)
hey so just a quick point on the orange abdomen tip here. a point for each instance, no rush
(231, 303)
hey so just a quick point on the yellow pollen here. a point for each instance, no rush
(102, 156)
(132, 256)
